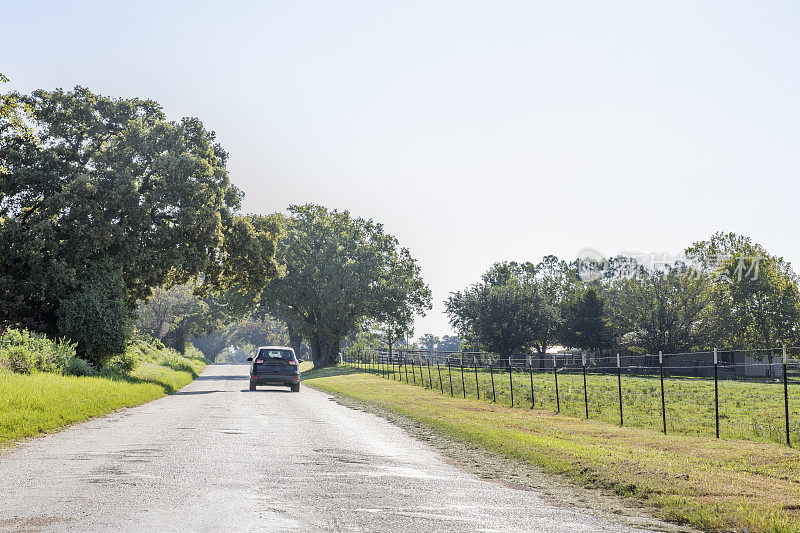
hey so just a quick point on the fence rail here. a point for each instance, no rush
(744, 394)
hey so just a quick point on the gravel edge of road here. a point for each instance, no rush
(511, 472)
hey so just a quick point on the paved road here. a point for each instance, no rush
(216, 457)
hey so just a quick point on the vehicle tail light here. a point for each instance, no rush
(259, 360)
(292, 362)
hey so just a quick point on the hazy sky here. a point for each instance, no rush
(475, 131)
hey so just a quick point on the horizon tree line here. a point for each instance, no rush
(729, 292)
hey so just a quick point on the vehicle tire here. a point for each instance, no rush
(252, 385)
(295, 387)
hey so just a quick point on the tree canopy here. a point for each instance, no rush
(339, 272)
(515, 307)
(86, 178)
(753, 296)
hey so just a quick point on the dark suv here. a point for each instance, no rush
(275, 365)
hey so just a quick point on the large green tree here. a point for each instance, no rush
(499, 318)
(515, 306)
(98, 179)
(753, 295)
(657, 310)
(505, 312)
(586, 322)
(341, 271)
(555, 280)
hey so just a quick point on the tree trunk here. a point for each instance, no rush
(295, 339)
(325, 352)
(176, 339)
(316, 352)
(180, 340)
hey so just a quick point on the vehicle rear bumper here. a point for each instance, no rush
(275, 379)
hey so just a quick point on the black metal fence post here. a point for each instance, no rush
(786, 397)
(405, 366)
(491, 374)
(555, 376)
(716, 394)
(439, 370)
(463, 384)
(530, 373)
(619, 387)
(450, 375)
(585, 392)
(511, 381)
(430, 379)
(663, 402)
(477, 385)
(413, 371)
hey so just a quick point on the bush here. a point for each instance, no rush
(96, 317)
(193, 353)
(79, 367)
(20, 360)
(124, 363)
(25, 352)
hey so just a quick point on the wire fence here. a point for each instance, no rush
(737, 394)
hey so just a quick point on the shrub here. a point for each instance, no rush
(193, 353)
(79, 367)
(96, 317)
(25, 352)
(19, 359)
(121, 364)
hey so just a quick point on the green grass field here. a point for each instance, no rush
(43, 401)
(748, 411)
(714, 485)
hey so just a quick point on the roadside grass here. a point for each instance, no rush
(714, 485)
(45, 401)
(747, 410)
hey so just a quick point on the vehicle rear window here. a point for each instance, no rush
(275, 355)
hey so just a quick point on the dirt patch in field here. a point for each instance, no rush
(518, 474)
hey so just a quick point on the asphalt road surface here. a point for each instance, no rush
(216, 457)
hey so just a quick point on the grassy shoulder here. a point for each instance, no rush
(37, 402)
(706, 483)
